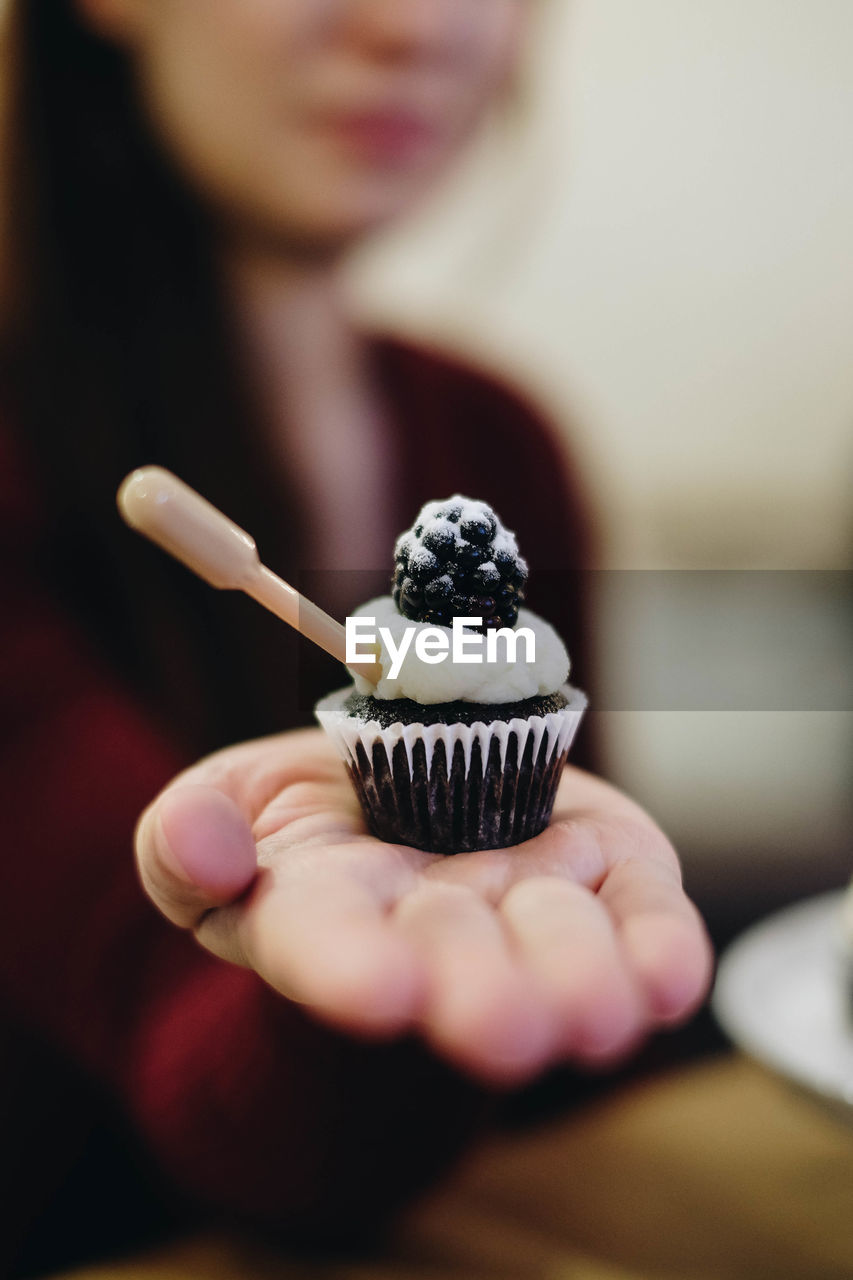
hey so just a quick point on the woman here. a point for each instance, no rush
(184, 181)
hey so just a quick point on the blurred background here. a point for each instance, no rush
(671, 277)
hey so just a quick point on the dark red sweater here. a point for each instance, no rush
(226, 1097)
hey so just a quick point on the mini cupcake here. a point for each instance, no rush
(460, 744)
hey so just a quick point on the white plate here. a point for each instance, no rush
(782, 995)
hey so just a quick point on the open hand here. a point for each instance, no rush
(568, 948)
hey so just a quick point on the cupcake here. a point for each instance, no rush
(460, 743)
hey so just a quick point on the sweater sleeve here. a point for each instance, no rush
(247, 1106)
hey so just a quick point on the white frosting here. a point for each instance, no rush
(489, 682)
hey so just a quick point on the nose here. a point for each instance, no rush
(400, 29)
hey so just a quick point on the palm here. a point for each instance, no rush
(570, 946)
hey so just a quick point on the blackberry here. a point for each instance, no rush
(456, 561)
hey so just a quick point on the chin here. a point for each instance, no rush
(327, 217)
(352, 202)
(328, 231)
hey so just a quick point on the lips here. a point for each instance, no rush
(388, 135)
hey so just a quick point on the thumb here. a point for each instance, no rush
(194, 851)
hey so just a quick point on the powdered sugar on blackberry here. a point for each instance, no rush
(458, 560)
(469, 509)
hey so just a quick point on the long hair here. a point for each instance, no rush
(116, 350)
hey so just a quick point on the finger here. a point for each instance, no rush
(662, 935)
(481, 1009)
(321, 807)
(317, 930)
(253, 773)
(564, 936)
(194, 851)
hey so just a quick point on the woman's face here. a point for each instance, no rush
(314, 121)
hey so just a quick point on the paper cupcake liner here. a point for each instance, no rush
(454, 788)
